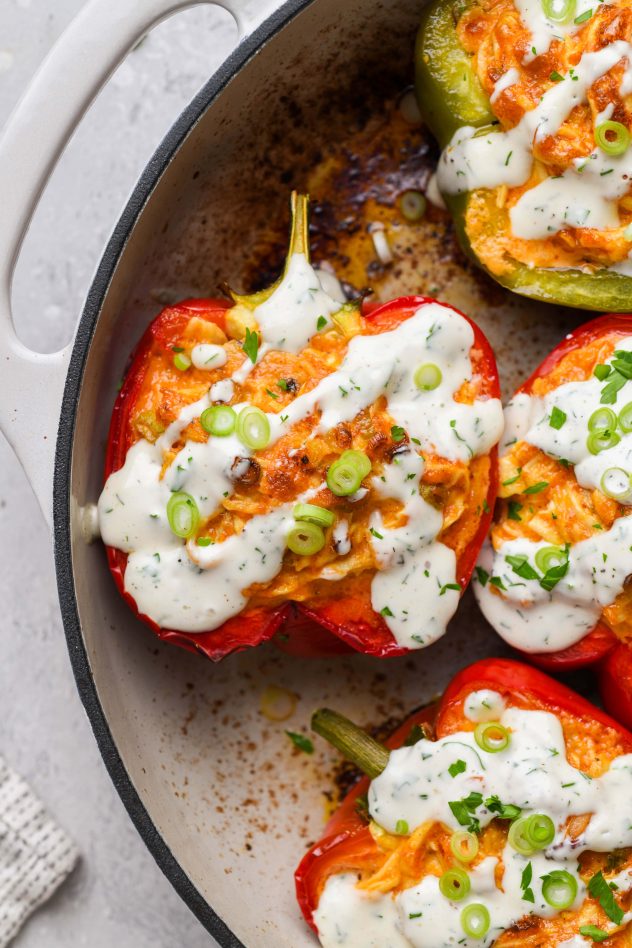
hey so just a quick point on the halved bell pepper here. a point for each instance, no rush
(451, 96)
(338, 621)
(541, 482)
(352, 843)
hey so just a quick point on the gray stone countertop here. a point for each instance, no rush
(117, 896)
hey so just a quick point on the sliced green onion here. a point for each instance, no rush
(559, 889)
(219, 420)
(475, 920)
(528, 834)
(347, 473)
(612, 137)
(625, 418)
(517, 837)
(253, 427)
(491, 736)
(313, 514)
(464, 845)
(604, 419)
(559, 11)
(181, 361)
(550, 556)
(413, 205)
(454, 884)
(305, 539)
(616, 483)
(183, 514)
(427, 376)
(599, 441)
(540, 830)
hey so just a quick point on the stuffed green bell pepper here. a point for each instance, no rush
(531, 102)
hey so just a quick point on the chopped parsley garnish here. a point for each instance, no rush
(301, 742)
(525, 883)
(321, 323)
(417, 733)
(601, 891)
(272, 394)
(177, 349)
(556, 77)
(505, 811)
(482, 575)
(512, 480)
(497, 582)
(513, 512)
(250, 345)
(385, 611)
(522, 567)
(415, 914)
(536, 488)
(592, 931)
(615, 375)
(397, 433)
(458, 767)
(447, 586)
(282, 383)
(375, 533)
(586, 15)
(558, 418)
(508, 158)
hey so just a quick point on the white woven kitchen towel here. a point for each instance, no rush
(36, 855)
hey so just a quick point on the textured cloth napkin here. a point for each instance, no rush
(36, 855)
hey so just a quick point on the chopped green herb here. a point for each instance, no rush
(505, 811)
(397, 433)
(522, 567)
(556, 77)
(536, 488)
(592, 931)
(321, 323)
(282, 383)
(586, 15)
(513, 513)
(375, 533)
(447, 586)
(512, 480)
(458, 767)
(558, 418)
(482, 575)
(385, 611)
(250, 345)
(497, 582)
(601, 891)
(601, 372)
(301, 742)
(415, 914)
(272, 394)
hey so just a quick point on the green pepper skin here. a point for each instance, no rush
(450, 96)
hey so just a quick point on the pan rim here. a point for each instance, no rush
(80, 663)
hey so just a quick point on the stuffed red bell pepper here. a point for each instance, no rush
(293, 448)
(505, 823)
(553, 579)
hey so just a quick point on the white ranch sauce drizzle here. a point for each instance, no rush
(585, 195)
(413, 566)
(544, 31)
(416, 785)
(526, 615)
(195, 588)
(208, 356)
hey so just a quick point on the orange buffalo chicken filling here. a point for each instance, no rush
(401, 862)
(564, 512)
(493, 33)
(298, 460)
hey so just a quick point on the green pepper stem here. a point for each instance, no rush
(299, 230)
(356, 745)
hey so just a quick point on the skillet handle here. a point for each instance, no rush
(30, 145)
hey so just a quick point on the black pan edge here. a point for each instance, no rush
(63, 461)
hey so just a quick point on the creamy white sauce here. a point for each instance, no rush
(586, 194)
(208, 356)
(340, 537)
(289, 317)
(195, 588)
(532, 773)
(506, 81)
(544, 31)
(483, 705)
(412, 566)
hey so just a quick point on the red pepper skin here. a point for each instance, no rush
(347, 843)
(340, 627)
(615, 683)
(597, 643)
